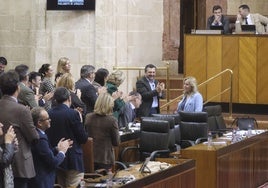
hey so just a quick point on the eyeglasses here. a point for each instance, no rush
(45, 119)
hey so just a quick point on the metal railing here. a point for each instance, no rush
(229, 88)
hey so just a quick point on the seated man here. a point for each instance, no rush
(128, 111)
(217, 19)
(245, 18)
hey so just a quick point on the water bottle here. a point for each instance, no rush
(109, 183)
(82, 184)
(249, 130)
(234, 136)
(209, 139)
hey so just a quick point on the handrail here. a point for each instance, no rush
(205, 83)
(167, 67)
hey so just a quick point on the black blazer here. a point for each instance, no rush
(144, 88)
(66, 123)
(224, 21)
(88, 93)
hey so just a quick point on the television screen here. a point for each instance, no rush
(70, 4)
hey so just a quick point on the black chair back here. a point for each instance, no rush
(193, 126)
(154, 135)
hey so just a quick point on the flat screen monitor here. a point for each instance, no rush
(216, 27)
(249, 28)
(70, 4)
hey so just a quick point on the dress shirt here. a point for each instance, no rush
(155, 101)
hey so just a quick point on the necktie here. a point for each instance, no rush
(246, 20)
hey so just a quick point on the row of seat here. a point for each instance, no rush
(165, 133)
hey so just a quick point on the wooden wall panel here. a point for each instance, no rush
(247, 69)
(245, 55)
(230, 59)
(195, 46)
(214, 66)
(262, 67)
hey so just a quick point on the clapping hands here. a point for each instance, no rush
(64, 145)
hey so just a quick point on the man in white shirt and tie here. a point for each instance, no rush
(244, 17)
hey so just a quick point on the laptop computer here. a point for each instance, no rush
(248, 28)
(216, 27)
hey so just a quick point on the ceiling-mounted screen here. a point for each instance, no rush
(70, 4)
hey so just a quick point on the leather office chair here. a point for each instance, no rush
(154, 139)
(216, 123)
(175, 130)
(193, 127)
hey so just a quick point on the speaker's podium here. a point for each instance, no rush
(206, 55)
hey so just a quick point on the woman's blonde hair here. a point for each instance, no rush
(61, 63)
(193, 83)
(67, 81)
(104, 104)
(117, 77)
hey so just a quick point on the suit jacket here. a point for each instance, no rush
(127, 115)
(224, 21)
(144, 88)
(46, 160)
(193, 104)
(260, 21)
(105, 134)
(20, 117)
(88, 93)
(66, 123)
(26, 96)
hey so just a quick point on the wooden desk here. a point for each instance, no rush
(242, 164)
(208, 55)
(181, 175)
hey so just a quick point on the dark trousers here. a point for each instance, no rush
(21, 182)
(153, 111)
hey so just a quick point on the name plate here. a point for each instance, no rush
(210, 32)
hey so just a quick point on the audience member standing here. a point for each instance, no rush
(192, 100)
(67, 81)
(88, 92)
(7, 150)
(151, 91)
(66, 123)
(64, 65)
(20, 118)
(128, 112)
(46, 159)
(34, 84)
(46, 86)
(26, 95)
(115, 79)
(3, 64)
(103, 128)
(101, 77)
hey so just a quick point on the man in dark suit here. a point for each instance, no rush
(151, 91)
(26, 95)
(66, 123)
(20, 118)
(128, 113)
(88, 91)
(217, 19)
(3, 64)
(46, 159)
